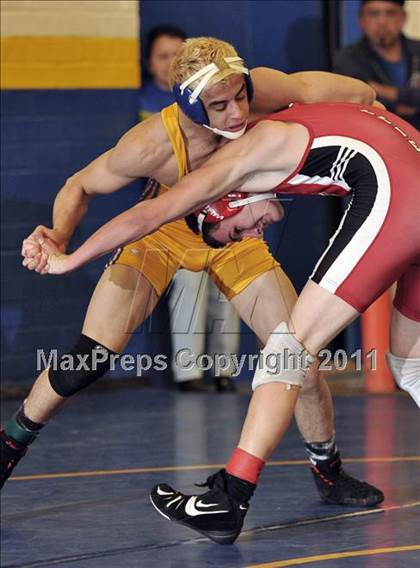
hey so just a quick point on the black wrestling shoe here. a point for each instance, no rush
(215, 514)
(10, 453)
(335, 486)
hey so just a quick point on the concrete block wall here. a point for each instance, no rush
(70, 73)
(58, 115)
(47, 135)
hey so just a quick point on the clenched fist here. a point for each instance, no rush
(34, 256)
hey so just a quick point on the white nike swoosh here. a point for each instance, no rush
(162, 492)
(192, 511)
(243, 508)
(201, 504)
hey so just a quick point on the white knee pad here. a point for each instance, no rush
(406, 374)
(283, 360)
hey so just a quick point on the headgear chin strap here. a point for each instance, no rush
(228, 206)
(189, 99)
(227, 133)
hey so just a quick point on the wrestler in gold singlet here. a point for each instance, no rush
(174, 246)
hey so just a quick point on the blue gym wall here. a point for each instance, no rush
(49, 134)
(350, 30)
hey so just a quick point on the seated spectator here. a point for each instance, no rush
(162, 44)
(385, 58)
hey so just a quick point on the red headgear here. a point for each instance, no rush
(227, 206)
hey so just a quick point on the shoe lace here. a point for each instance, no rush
(212, 480)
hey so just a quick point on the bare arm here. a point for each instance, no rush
(72, 200)
(135, 155)
(275, 90)
(264, 149)
(201, 186)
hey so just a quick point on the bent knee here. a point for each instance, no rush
(87, 362)
(406, 373)
(284, 360)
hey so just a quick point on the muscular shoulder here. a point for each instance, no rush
(142, 150)
(273, 90)
(279, 144)
(268, 132)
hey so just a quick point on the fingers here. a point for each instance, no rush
(30, 248)
(42, 239)
(42, 264)
(36, 250)
(31, 263)
(32, 241)
(37, 263)
(37, 234)
(37, 254)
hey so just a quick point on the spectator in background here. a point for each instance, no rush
(197, 306)
(195, 303)
(162, 44)
(385, 58)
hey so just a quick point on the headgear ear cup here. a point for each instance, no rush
(228, 206)
(249, 87)
(194, 110)
(189, 99)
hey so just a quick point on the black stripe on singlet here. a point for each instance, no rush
(361, 177)
(320, 162)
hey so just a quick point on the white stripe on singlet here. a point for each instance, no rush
(337, 172)
(301, 179)
(342, 165)
(367, 232)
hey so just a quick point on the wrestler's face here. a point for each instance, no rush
(382, 22)
(163, 51)
(227, 104)
(249, 222)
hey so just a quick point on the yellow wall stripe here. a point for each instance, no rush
(335, 556)
(69, 62)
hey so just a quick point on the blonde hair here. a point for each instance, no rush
(195, 53)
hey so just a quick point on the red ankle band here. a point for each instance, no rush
(245, 466)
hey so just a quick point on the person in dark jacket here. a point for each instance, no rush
(385, 58)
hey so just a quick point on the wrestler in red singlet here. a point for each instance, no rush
(376, 161)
